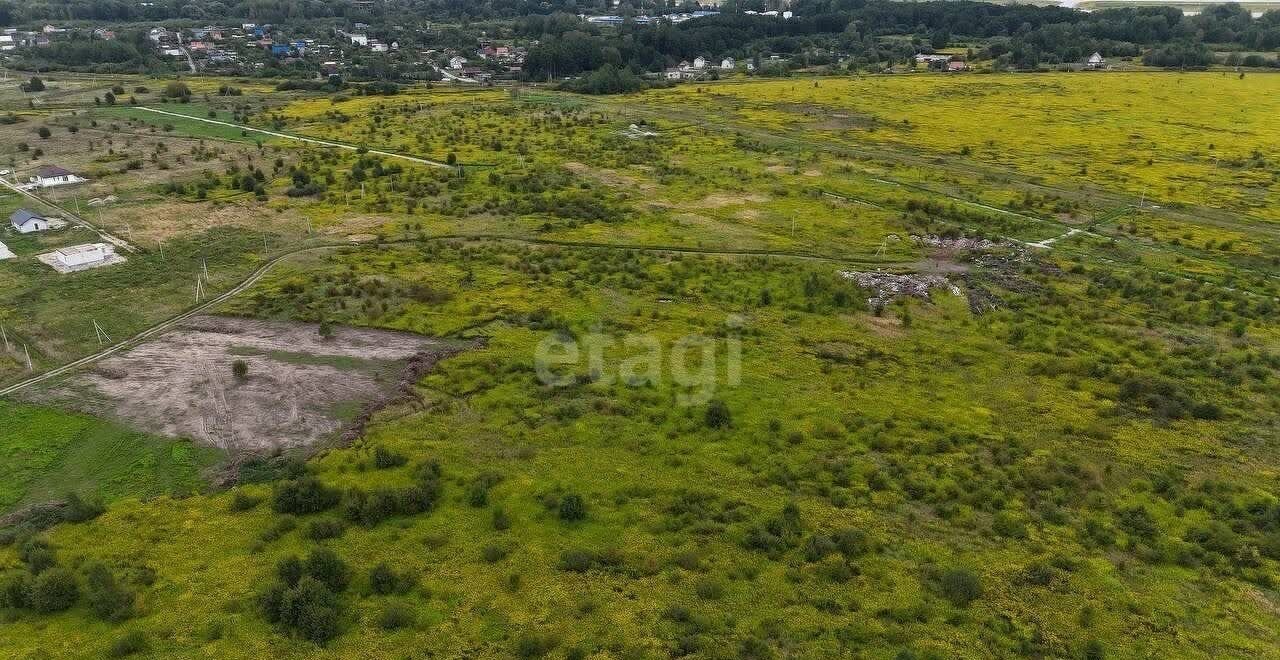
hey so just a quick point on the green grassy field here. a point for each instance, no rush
(48, 454)
(188, 127)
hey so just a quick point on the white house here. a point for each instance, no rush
(1096, 62)
(81, 255)
(457, 62)
(700, 62)
(932, 59)
(359, 39)
(726, 64)
(7, 42)
(52, 175)
(25, 221)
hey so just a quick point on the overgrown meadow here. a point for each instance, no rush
(1069, 454)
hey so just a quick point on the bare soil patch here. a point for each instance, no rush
(721, 200)
(165, 220)
(300, 389)
(609, 177)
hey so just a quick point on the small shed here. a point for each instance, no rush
(80, 255)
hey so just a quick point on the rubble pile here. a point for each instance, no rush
(961, 243)
(885, 287)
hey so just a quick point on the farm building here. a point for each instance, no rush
(727, 63)
(26, 221)
(1096, 62)
(81, 255)
(52, 175)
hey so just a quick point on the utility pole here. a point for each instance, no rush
(103, 337)
(28, 353)
(5, 337)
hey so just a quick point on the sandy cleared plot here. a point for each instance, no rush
(300, 389)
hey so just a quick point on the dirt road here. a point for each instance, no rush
(299, 138)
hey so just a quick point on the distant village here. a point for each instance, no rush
(244, 48)
(359, 51)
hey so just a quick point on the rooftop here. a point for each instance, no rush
(22, 216)
(82, 249)
(51, 171)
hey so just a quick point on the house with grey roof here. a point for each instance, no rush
(25, 221)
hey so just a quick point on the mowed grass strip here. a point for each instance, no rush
(47, 453)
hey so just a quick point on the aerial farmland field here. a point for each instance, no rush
(894, 366)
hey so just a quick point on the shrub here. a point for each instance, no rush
(108, 599)
(240, 369)
(1137, 522)
(310, 609)
(1008, 525)
(531, 645)
(395, 616)
(242, 501)
(961, 586)
(852, 542)
(177, 90)
(709, 589)
(43, 132)
(284, 524)
(572, 507)
(501, 521)
(384, 580)
(493, 553)
(327, 528)
(132, 642)
(718, 415)
(37, 554)
(576, 561)
(304, 495)
(290, 570)
(54, 591)
(324, 565)
(371, 508)
(15, 590)
(818, 546)
(384, 458)
(79, 509)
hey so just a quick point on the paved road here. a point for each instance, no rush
(299, 138)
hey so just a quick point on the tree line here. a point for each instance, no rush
(1017, 36)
